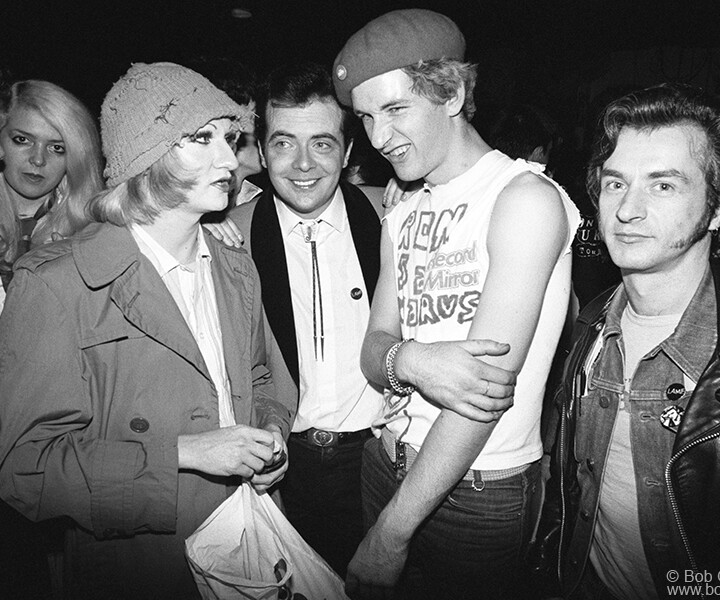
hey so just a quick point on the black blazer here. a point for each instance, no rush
(268, 252)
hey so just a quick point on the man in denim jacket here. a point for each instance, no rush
(638, 438)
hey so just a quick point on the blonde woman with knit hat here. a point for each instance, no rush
(135, 389)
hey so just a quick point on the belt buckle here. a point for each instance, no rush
(323, 438)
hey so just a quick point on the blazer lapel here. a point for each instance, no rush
(268, 252)
(365, 229)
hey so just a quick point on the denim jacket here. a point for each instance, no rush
(676, 473)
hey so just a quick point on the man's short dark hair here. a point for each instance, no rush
(663, 105)
(299, 84)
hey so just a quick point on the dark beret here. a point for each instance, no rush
(392, 41)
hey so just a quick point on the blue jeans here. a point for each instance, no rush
(472, 546)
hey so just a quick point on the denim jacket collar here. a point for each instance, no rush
(688, 346)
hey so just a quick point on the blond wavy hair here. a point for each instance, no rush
(83, 176)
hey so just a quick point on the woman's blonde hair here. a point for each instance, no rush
(83, 172)
(140, 199)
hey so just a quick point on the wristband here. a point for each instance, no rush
(400, 390)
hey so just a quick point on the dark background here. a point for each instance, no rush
(566, 56)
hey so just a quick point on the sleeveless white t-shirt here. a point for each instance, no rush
(441, 261)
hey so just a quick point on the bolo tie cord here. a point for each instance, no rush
(318, 302)
(317, 297)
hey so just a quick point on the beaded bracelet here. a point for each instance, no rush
(400, 390)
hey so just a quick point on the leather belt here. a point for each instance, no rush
(329, 439)
(403, 456)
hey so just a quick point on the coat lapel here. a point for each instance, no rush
(108, 255)
(234, 316)
(146, 303)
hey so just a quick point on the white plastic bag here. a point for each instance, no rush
(247, 549)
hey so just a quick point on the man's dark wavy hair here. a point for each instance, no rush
(649, 109)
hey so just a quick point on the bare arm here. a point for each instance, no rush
(469, 386)
(528, 230)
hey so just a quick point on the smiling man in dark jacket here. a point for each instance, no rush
(638, 439)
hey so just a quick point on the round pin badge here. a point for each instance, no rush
(341, 72)
(675, 391)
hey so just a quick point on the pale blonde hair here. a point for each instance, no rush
(139, 200)
(83, 175)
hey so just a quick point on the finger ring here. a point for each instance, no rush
(487, 387)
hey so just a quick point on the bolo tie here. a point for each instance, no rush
(309, 231)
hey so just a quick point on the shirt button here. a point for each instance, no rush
(604, 401)
(585, 515)
(139, 425)
(356, 293)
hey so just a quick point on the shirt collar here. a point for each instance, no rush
(334, 214)
(203, 250)
(695, 334)
(161, 259)
(248, 191)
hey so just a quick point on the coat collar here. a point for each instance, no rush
(103, 252)
(694, 335)
(107, 255)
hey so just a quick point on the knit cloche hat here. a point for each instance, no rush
(149, 110)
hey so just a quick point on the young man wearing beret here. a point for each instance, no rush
(482, 251)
